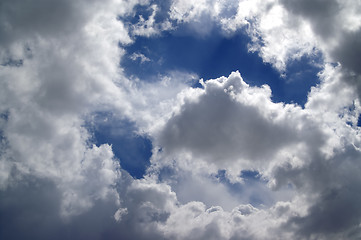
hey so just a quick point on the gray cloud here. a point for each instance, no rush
(324, 168)
(332, 188)
(321, 14)
(31, 210)
(223, 124)
(336, 23)
(58, 82)
(216, 117)
(28, 19)
(348, 51)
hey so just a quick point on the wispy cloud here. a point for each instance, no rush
(140, 56)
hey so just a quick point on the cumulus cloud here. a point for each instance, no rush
(67, 65)
(311, 155)
(229, 121)
(57, 70)
(337, 27)
(60, 65)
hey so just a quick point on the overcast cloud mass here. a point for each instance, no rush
(180, 119)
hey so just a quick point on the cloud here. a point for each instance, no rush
(31, 210)
(51, 173)
(150, 27)
(140, 56)
(217, 126)
(330, 186)
(282, 31)
(337, 27)
(60, 67)
(230, 121)
(243, 222)
(68, 65)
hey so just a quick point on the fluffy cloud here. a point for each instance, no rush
(214, 124)
(229, 121)
(337, 27)
(220, 124)
(283, 31)
(66, 66)
(60, 64)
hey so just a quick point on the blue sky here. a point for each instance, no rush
(180, 119)
(218, 55)
(132, 150)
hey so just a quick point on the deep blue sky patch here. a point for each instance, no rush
(301, 75)
(216, 55)
(359, 121)
(250, 175)
(132, 150)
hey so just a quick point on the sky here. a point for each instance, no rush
(180, 119)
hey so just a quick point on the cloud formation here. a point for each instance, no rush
(242, 118)
(61, 64)
(46, 96)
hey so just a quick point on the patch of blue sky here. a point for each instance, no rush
(301, 75)
(254, 188)
(132, 150)
(12, 63)
(218, 55)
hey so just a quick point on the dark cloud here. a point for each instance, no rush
(321, 14)
(30, 209)
(332, 187)
(349, 50)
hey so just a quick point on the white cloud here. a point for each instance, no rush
(274, 32)
(153, 102)
(119, 213)
(139, 56)
(150, 27)
(195, 221)
(282, 31)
